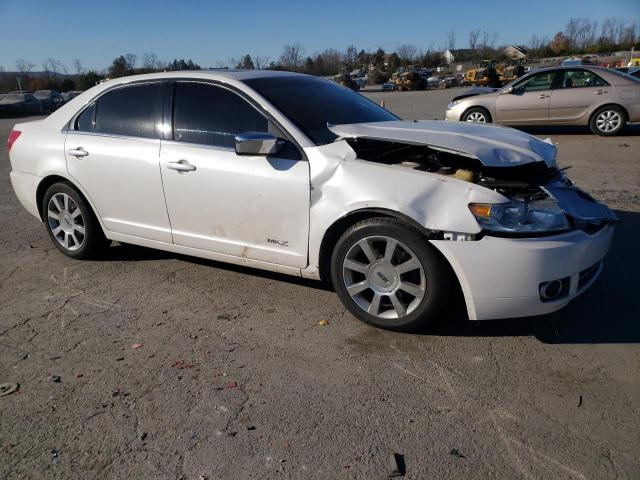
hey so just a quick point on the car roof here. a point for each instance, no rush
(570, 67)
(214, 73)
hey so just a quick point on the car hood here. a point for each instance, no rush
(472, 92)
(492, 145)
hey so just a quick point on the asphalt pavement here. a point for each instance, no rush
(144, 364)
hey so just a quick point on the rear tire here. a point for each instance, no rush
(608, 121)
(476, 115)
(70, 222)
(388, 275)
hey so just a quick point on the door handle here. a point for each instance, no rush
(78, 152)
(544, 95)
(600, 92)
(182, 166)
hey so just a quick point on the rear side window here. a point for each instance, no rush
(132, 111)
(210, 115)
(581, 78)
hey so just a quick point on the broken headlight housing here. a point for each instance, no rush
(520, 216)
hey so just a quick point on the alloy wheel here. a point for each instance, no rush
(608, 121)
(66, 221)
(476, 117)
(384, 277)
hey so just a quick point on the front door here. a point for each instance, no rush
(254, 207)
(113, 152)
(528, 103)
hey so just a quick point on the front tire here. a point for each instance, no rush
(608, 121)
(476, 115)
(70, 222)
(387, 275)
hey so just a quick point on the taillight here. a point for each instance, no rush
(13, 136)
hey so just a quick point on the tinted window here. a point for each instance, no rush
(537, 82)
(581, 78)
(210, 115)
(84, 122)
(310, 103)
(132, 111)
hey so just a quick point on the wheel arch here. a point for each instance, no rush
(477, 107)
(611, 104)
(49, 180)
(340, 225)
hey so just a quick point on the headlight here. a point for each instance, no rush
(450, 105)
(516, 217)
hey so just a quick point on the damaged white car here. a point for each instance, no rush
(299, 175)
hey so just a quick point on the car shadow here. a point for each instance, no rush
(631, 130)
(608, 312)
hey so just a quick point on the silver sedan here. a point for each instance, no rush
(601, 98)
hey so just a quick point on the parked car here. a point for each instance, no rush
(601, 98)
(633, 71)
(51, 99)
(296, 174)
(389, 87)
(18, 104)
(66, 96)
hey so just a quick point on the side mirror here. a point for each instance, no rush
(507, 90)
(256, 143)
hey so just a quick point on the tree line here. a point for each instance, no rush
(580, 36)
(55, 75)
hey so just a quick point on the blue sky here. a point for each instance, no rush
(97, 31)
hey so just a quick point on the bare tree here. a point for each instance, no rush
(131, 58)
(77, 66)
(451, 40)
(50, 66)
(489, 39)
(292, 56)
(61, 67)
(536, 44)
(473, 38)
(407, 53)
(261, 61)
(24, 66)
(611, 30)
(150, 61)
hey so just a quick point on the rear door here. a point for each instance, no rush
(253, 207)
(113, 152)
(528, 103)
(577, 90)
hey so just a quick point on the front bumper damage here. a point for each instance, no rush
(504, 277)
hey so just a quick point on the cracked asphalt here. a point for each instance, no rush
(235, 378)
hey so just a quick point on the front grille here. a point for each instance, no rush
(587, 275)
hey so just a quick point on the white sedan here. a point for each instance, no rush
(295, 174)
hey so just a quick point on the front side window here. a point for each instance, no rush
(210, 115)
(536, 83)
(311, 102)
(132, 111)
(580, 78)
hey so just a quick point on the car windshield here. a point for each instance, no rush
(310, 103)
